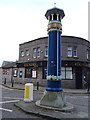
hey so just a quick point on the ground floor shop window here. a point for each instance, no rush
(66, 73)
(44, 76)
(28, 72)
(34, 74)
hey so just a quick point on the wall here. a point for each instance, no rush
(8, 77)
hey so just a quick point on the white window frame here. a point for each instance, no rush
(27, 53)
(22, 53)
(38, 52)
(87, 54)
(69, 49)
(75, 50)
(46, 51)
(34, 52)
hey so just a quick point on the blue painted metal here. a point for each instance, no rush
(52, 53)
(54, 86)
(54, 60)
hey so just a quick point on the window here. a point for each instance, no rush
(46, 51)
(22, 53)
(88, 52)
(44, 76)
(28, 72)
(38, 52)
(34, 53)
(69, 51)
(63, 72)
(75, 52)
(34, 75)
(27, 52)
(66, 73)
(5, 71)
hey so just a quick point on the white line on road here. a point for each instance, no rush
(9, 101)
(8, 110)
(13, 98)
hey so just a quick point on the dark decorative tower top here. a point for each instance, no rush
(55, 15)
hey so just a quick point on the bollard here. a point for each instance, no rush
(5, 81)
(28, 93)
(37, 85)
(12, 82)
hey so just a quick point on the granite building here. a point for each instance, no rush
(32, 64)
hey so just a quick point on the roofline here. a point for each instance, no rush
(47, 37)
(75, 37)
(33, 40)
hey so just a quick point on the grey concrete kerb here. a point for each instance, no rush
(68, 107)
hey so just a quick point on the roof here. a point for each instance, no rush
(55, 11)
(8, 64)
(63, 36)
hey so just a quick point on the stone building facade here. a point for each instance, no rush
(32, 64)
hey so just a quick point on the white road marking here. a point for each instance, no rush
(8, 110)
(9, 101)
(13, 98)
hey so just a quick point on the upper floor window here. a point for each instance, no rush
(46, 51)
(69, 51)
(75, 52)
(87, 54)
(27, 52)
(34, 53)
(38, 52)
(22, 53)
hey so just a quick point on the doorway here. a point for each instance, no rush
(78, 71)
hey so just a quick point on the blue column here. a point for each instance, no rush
(54, 61)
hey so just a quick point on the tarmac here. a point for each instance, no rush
(32, 108)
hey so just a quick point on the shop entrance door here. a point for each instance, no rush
(78, 71)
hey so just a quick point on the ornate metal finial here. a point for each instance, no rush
(55, 5)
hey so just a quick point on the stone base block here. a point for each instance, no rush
(54, 100)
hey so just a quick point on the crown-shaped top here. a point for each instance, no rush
(55, 11)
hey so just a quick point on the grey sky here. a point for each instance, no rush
(24, 20)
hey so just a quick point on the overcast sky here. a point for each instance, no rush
(24, 20)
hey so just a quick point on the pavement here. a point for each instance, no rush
(54, 114)
(42, 89)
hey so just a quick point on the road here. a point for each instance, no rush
(10, 96)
